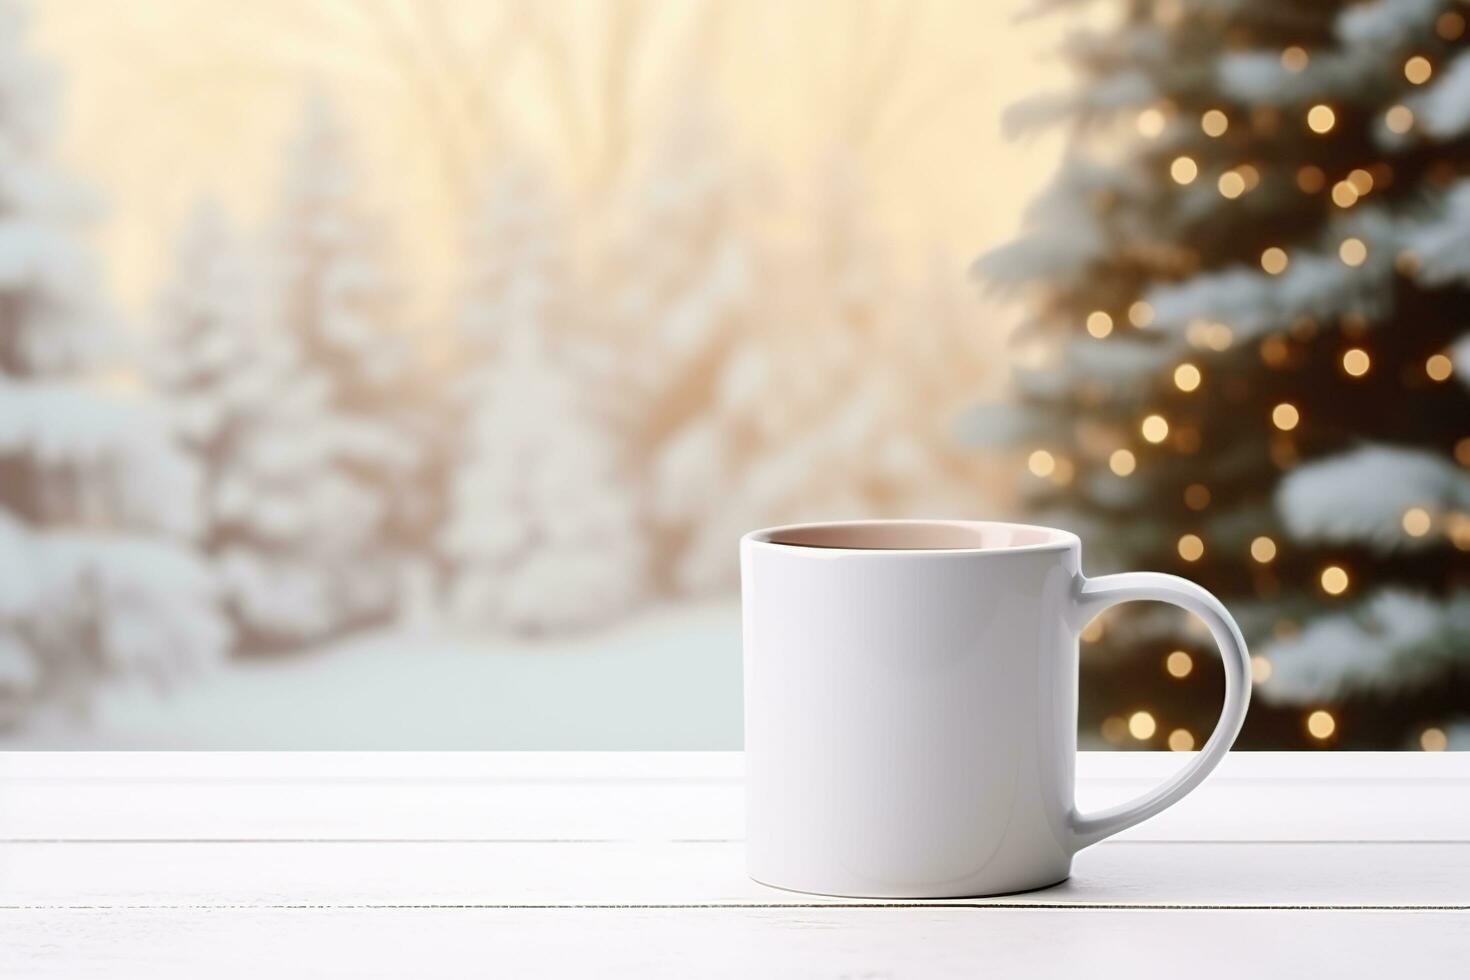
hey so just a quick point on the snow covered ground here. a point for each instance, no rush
(668, 678)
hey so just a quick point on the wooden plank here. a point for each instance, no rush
(657, 796)
(772, 944)
(553, 874)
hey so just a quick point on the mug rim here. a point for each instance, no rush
(1056, 539)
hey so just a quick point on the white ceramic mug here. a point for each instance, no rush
(911, 705)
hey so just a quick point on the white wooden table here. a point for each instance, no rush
(219, 865)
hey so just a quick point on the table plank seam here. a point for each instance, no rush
(976, 905)
(1173, 842)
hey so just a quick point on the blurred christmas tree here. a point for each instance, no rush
(97, 506)
(1249, 359)
(542, 530)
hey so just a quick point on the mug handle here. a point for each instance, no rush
(1098, 594)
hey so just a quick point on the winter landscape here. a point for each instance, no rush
(433, 423)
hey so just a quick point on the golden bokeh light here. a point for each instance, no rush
(1155, 428)
(1439, 367)
(1231, 184)
(1321, 725)
(1140, 314)
(1099, 324)
(1041, 463)
(1462, 451)
(1417, 522)
(1114, 729)
(1274, 260)
(1355, 361)
(1360, 180)
(1179, 664)
(1285, 416)
(1183, 170)
(1150, 123)
(1263, 549)
(1141, 725)
(1457, 526)
(1122, 462)
(1321, 118)
(1353, 252)
(1191, 547)
(1180, 740)
(1196, 496)
(1063, 472)
(1433, 740)
(1186, 377)
(1344, 194)
(1334, 579)
(1450, 25)
(1214, 122)
(1294, 58)
(1399, 119)
(1260, 669)
(1418, 69)
(1274, 351)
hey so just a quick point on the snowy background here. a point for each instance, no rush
(401, 375)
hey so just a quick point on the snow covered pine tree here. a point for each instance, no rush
(542, 532)
(1252, 280)
(96, 503)
(309, 504)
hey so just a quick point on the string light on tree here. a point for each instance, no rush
(1141, 725)
(1231, 185)
(1418, 69)
(1321, 725)
(1155, 428)
(1321, 119)
(1417, 522)
(1274, 260)
(1196, 496)
(1151, 123)
(1180, 740)
(1140, 314)
(1263, 549)
(1310, 179)
(1294, 58)
(1353, 252)
(1450, 25)
(1099, 324)
(1260, 669)
(1183, 170)
(1360, 180)
(1191, 547)
(1041, 463)
(1399, 119)
(1179, 664)
(1186, 377)
(1344, 194)
(1334, 580)
(1214, 123)
(1439, 367)
(1433, 740)
(1122, 462)
(1285, 416)
(1355, 361)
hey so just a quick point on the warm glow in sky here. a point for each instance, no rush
(166, 102)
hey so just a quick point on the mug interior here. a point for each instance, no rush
(915, 536)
